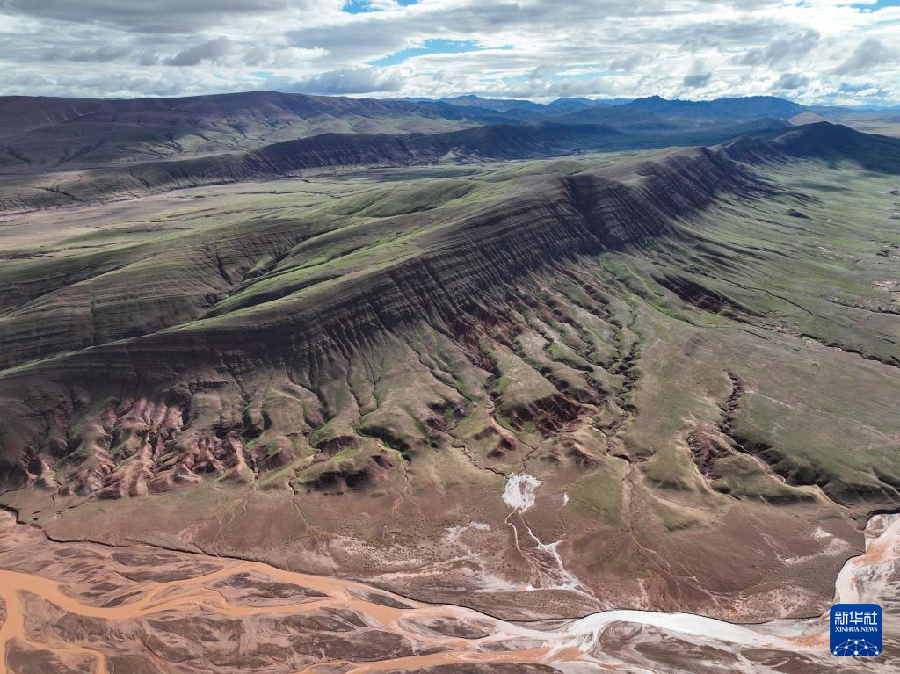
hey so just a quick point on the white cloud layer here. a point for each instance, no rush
(814, 51)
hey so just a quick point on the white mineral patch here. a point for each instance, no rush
(452, 533)
(519, 491)
(820, 533)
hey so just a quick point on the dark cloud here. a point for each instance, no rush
(354, 41)
(210, 51)
(782, 50)
(155, 16)
(867, 55)
(791, 82)
(341, 81)
(696, 81)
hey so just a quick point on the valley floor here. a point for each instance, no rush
(80, 607)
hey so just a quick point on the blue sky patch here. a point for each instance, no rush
(878, 4)
(436, 46)
(363, 6)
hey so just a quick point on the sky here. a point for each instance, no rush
(811, 51)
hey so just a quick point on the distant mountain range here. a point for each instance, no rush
(736, 106)
(560, 105)
(38, 135)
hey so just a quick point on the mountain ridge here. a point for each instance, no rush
(654, 185)
(331, 151)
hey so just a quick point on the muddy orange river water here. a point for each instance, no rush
(82, 607)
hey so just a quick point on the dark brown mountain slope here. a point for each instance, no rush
(52, 133)
(323, 151)
(823, 140)
(328, 151)
(496, 142)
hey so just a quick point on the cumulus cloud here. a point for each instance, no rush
(790, 82)
(866, 56)
(282, 57)
(211, 51)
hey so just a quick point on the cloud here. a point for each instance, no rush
(847, 88)
(790, 82)
(696, 81)
(537, 49)
(100, 55)
(629, 63)
(103, 54)
(782, 50)
(28, 80)
(342, 81)
(148, 58)
(211, 51)
(866, 56)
